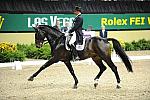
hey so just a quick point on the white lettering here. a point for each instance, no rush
(44, 21)
(53, 20)
(37, 21)
(29, 22)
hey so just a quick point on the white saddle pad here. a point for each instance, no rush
(81, 47)
(78, 47)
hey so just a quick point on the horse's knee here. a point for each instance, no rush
(103, 68)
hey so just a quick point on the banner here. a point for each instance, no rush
(24, 22)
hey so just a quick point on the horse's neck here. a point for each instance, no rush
(53, 42)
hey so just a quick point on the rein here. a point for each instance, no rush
(45, 42)
(57, 39)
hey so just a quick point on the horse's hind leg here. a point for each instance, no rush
(102, 68)
(47, 64)
(114, 69)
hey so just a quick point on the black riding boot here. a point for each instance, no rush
(74, 53)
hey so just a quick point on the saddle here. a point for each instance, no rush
(73, 46)
(78, 47)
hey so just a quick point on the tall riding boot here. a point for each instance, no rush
(74, 52)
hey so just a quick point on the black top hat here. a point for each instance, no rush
(77, 8)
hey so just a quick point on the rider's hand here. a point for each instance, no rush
(70, 34)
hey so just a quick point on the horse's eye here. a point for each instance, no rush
(43, 31)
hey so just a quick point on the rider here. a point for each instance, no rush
(77, 27)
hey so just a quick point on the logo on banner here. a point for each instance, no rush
(1, 21)
(51, 20)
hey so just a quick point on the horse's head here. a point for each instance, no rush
(43, 31)
(39, 36)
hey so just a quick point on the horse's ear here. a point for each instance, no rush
(35, 28)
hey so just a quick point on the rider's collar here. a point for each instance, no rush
(78, 14)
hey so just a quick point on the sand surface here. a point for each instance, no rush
(55, 83)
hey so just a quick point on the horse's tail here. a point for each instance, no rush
(119, 51)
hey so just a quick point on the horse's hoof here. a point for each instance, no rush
(118, 87)
(95, 85)
(75, 87)
(30, 79)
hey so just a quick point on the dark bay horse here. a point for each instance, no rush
(96, 48)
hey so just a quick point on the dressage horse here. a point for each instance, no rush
(95, 47)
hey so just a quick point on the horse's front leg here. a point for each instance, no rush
(47, 64)
(70, 68)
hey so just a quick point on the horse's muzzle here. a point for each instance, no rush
(39, 45)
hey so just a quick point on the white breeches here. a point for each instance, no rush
(71, 39)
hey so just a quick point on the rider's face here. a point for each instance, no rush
(75, 12)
